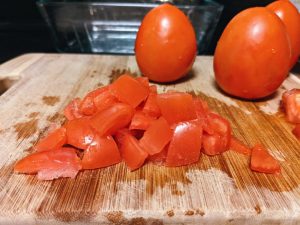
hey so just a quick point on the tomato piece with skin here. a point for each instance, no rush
(185, 145)
(49, 165)
(159, 158)
(144, 81)
(156, 137)
(262, 161)
(140, 121)
(252, 57)
(71, 111)
(289, 15)
(102, 152)
(165, 46)
(218, 141)
(79, 132)
(53, 140)
(176, 107)
(291, 105)
(239, 147)
(151, 107)
(110, 120)
(128, 90)
(296, 131)
(132, 152)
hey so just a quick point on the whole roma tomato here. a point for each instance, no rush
(252, 56)
(165, 46)
(289, 15)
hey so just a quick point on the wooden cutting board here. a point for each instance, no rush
(217, 190)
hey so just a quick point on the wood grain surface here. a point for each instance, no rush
(217, 190)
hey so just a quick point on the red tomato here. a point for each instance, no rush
(110, 120)
(104, 100)
(61, 162)
(165, 46)
(253, 54)
(53, 140)
(140, 121)
(185, 145)
(79, 133)
(289, 15)
(102, 152)
(144, 81)
(156, 137)
(176, 107)
(296, 131)
(129, 90)
(159, 158)
(218, 141)
(132, 153)
(72, 109)
(291, 104)
(239, 147)
(262, 161)
(151, 107)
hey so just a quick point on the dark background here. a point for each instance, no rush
(23, 30)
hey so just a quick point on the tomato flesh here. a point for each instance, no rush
(71, 111)
(176, 107)
(296, 131)
(49, 165)
(291, 104)
(102, 152)
(156, 137)
(239, 147)
(132, 152)
(140, 121)
(151, 107)
(79, 133)
(53, 140)
(129, 90)
(185, 145)
(262, 161)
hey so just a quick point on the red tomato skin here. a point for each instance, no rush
(262, 161)
(176, 107)
(289, 15)
(61, 162)
(291, 105)
(53, 140)
(132, 153)
(71, 111)
(185, 145)
(102, 152)
(110, 120)
(79, 132)
(156, 137)
(129, 90)
(252, 56)
(296, 131)
(218, 141)
(165, 46)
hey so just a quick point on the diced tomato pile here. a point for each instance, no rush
(128, 120)
(291, 105)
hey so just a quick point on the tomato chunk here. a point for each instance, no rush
(159, 158)
(262, 161)
(156, 137)
(239, 147)
(291, 104)
(102, 152)
(71, 111)
(129, 90)
(185, 145)
(144, 81)
(140, 121)
(218, 141)
(110, 120)
(296, 131)
(79, 133)
(176, 107)
(49, 165)
(132, 153)
(151, 107)
(104, 100)
(53, 140)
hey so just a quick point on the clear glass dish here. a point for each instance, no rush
(111, 26)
